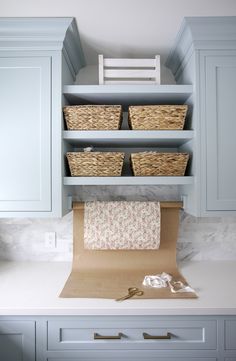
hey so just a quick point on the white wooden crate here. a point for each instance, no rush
(129, 71)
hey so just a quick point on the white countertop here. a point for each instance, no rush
(32, 288)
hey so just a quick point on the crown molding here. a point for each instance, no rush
(202, 33)
(43, 34)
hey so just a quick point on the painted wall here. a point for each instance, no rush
(132, 28)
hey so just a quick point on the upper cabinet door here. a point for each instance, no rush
(25, 134)
(220, 123)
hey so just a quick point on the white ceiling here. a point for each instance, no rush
(122, 28)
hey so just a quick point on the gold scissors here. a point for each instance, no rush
(132, 291)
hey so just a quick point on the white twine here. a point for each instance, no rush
(164, 280)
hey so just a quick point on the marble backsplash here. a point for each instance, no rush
(22, 239)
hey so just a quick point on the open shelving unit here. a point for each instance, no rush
(125, 139)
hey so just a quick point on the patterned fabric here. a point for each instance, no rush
(121, 225)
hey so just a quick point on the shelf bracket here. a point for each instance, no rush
(184, 199)
(69, 202)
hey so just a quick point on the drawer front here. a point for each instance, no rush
(170, 334)
(230, 335)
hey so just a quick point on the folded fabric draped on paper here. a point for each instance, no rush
(164, 280)
(122, 225)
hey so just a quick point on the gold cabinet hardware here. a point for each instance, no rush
(101, 337)
(146, 336)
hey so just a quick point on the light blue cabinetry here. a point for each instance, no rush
(38, 67)
(230, 334)
(90, 338)
(17, 340)
(25, 136)
(205, 56)
(219, 127)
(177, 334)
(37, 57)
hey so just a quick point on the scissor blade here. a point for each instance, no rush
(124, 298)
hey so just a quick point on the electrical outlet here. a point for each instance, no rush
(50, 240)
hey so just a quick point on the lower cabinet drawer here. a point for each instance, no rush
(108, 334)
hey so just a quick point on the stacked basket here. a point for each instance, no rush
(158, 117)
(109, 117)
(94, 117)
(159, 164)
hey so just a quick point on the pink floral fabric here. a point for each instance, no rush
(121, 225)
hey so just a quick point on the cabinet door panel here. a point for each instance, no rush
(220, 132)
(17, 340)
(25, 126)
(230, 335)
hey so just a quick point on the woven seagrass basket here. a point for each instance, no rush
(157, 117)
(95, 164)
(93, 117)
(159, 164)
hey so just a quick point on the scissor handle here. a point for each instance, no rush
(132, 291)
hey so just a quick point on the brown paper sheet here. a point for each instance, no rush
(109, 273)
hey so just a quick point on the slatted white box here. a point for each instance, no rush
(129, 71)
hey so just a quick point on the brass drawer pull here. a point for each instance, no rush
(100, 337)
(146, 336)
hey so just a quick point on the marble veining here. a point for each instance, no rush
(199, 238)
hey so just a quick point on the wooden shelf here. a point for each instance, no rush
(128, 180)
(127, 94)
(128, 138)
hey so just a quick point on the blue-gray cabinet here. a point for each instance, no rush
(230, 334)
(219, 122)
(38, 67)
(205, 56)
(17, 340)
(25, 136)
(37, 57)
(139, 333)
(90, 338)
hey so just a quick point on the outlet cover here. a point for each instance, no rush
(50, 240)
